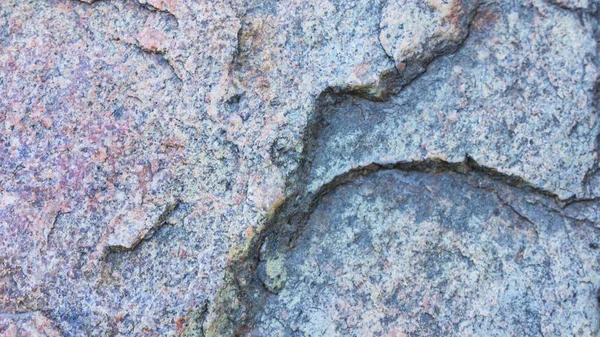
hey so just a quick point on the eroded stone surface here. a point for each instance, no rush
(96, 143)
(431, 254)
(146, 145)
(577, 4)
(514, 87)
(27, 324)
(414, 32)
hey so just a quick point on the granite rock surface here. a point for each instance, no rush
(299, 168)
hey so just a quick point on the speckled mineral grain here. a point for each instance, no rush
(299, 168)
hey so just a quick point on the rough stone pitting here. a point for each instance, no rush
(168, 6)
(586, 5)
(32, 323)
(452, 100)
(247, 278)
(258, 118)
(414, 32)
(136, 226)
(378, 261)
(413, 47)
(261, 269)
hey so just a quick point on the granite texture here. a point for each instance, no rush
(263, 168)
(391, 253)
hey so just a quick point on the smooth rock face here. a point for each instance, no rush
(157, 157)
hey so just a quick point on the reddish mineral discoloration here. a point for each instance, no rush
(27, 324)
(152, 40)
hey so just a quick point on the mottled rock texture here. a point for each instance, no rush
(299, 168)
(393, 253)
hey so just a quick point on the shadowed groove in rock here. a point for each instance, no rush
(244, 289)
(240, 298)
(444, 114)
(377, 249)
(235, 308)
(243, 294)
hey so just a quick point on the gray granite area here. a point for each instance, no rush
(400, 253)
